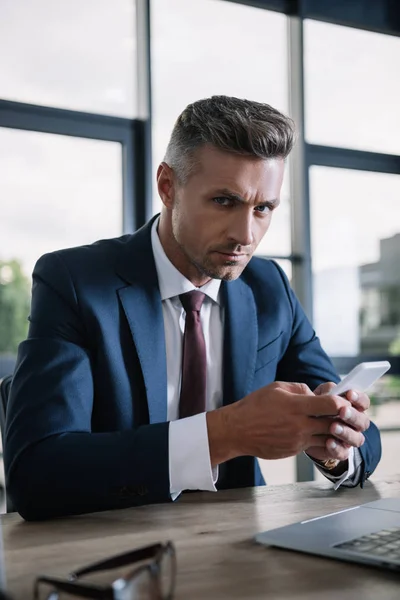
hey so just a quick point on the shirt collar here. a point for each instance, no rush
(171, 281)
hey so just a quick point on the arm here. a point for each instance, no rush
(54, 464)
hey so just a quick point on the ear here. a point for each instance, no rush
(166, 184)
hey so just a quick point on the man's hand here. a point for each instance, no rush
(276, 421)
(348, 431)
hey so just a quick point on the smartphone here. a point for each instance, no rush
(361, 377)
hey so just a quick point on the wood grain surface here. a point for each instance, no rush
(213, 533)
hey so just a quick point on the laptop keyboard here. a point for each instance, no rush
(385, 543)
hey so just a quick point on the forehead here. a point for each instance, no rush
(244, 175)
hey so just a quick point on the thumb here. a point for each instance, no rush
(324, 388)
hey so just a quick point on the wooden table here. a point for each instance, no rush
(213, 533)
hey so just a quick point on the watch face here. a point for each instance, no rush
(331, 463)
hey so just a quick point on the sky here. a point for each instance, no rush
(69, 54)
(57, 191)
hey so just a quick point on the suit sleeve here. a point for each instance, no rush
(305, 361)
(55, 465)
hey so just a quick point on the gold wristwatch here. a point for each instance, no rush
(330, 463)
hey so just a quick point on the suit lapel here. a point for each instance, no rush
(240, 339)
(141, 302)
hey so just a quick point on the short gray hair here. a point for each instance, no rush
(232, 125)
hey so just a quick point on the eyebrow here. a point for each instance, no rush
(237, 198)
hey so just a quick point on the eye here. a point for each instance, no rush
(223, 201)
(263, 208)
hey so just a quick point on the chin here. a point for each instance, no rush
(226, 273)
(232, 274)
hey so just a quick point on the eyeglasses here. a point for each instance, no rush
(152, 581)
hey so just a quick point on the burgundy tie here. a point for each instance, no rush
(194, 361)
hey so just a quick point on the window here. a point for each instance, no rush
(385, 402)
(352, 88)
(69, 54)
(355, 234)
(56, 192)
(209, 47)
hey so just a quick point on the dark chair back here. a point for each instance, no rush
(5, 385)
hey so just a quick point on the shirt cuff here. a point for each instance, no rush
(189, 456)
(349, 478)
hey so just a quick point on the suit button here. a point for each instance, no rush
(142, 490)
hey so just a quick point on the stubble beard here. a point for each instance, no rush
(228, 272)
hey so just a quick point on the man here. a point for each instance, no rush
(163, 361)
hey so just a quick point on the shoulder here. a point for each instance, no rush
(101, 258)
(82, 263)
(265, 274)
(270, 286)
(99, 252)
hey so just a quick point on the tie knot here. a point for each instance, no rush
(192, 301)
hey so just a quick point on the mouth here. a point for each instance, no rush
(232, 256)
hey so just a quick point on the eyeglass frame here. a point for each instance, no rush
(156, 552)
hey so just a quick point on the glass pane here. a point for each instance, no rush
(55, 191)
(355, 235)
(385, 402)
(352, 87)
(209, 47)
(69, 54)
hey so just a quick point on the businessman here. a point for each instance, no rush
(170, 359)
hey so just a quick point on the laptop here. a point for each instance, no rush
(368, 534)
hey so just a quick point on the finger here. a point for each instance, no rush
(356, 419)
(322, 406)
(318, 441)
(347, 435)
(324, 388)
(337, 450)
(320, 425)
(359, 400)
(340, 452)
(317, 453)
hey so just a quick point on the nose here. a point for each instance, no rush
(241, 228)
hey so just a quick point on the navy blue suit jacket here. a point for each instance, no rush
(87, 418)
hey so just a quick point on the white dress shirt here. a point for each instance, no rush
(189, 455)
